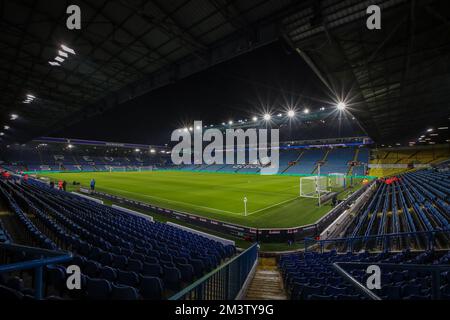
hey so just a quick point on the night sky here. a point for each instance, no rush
(270, 78)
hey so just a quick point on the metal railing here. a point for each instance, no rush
(420, 240)
(435, 271)
(225, 282)
(41, 258)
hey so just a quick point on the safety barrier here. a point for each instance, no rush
(225, 282)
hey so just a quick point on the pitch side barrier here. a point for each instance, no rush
(243, 232)
(419, 240)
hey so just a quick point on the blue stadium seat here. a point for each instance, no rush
(98, 289)
(151, 288)
(120, 292)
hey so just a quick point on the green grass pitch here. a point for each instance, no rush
(272, 200)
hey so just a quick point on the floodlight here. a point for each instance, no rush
(14, 116)
(67, 49)
(70, 146)
(54, 64)
(152, 151)
(341, 106)
(430, 130)
(291, 113)
(63, 54)
(2, 133)
(59, 59)
(137, 150)
(267, 117)
(306, 111)
(280, 115)
(230, 122)
(6, 127)
(255, 119)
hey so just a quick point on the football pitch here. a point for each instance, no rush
(272, 201)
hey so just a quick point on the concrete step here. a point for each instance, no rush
(267, 282)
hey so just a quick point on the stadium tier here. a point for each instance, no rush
(316, 276)
(224, 150)
(413, 202)
(120, 255)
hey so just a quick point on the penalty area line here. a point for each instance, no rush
(271, 206)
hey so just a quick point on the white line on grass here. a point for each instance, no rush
(271, 206)
(174, 201)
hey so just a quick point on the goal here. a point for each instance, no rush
(337, 180)
(313, 186)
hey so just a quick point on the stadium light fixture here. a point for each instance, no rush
(430, 130)
(306, 111)
(70, 146)
(63, 54)
(137, 150)
(322, 108)
(267, 117)
(67, 49)
(59, 59)
(255, 119)
(14, 116)
(291, 113)
(6, 127)
(152, 150)
(54, 64)
(443, 128)
(341, 106)
(2, 133)
(280, 115)
(230, 122)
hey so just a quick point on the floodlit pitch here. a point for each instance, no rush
(272, 201)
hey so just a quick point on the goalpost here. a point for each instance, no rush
(337, 180)
(313, 186)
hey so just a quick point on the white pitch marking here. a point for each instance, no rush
(174, 201)
(271, 206)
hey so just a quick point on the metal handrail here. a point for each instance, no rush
(53, 257)
(249, 255)
(359, 286)
(385, 237)
(435, 270)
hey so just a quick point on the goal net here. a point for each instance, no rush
(337, 180)
(313, 186)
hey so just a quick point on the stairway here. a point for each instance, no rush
(355, 159)
(296, 162)
(324, 159)
(267, 284)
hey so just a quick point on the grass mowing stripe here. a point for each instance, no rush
(272, 200)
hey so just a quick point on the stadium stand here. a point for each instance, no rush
(121, 256)
(386, 162)
(416, 201)
(314, 276)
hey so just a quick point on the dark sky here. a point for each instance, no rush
(271, 77)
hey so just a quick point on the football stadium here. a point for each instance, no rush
(258, 150)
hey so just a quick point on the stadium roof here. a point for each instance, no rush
(128, 48)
